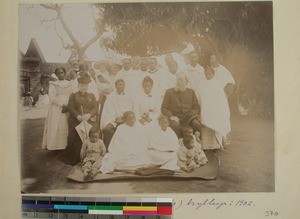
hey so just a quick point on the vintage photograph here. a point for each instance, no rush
(146, 97)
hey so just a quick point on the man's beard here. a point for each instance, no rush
(180, 88)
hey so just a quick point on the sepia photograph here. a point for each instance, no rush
(146, 97)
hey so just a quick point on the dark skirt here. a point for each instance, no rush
(71, 155)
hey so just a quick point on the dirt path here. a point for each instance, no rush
(247, 165)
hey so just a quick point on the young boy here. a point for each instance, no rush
(91, 154)
(188, 131)
(188, 155)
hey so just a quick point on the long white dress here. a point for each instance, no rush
(127, 150)
(215, 112)
(56, 125)
(162, 146)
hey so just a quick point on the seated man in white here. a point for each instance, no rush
(127, 150)
(163, 144)
(222, 74)
(194, 71)
(115, 105)
(147, 106)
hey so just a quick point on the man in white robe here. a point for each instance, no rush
(155, 74)
(127, 150)
(194, 71)
(115, 105)
(130, 76)
(168, 78)
(222, 74)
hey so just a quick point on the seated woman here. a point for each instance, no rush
(82, 106)
(127, 150)
(215, 114)
(163, 144)
(147, 105)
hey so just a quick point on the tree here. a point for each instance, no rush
(241, 31)
(79, 47)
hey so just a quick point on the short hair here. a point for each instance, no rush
(153, 58)
(187, 139)
(60, 68)
(118, 81)
(127, 113)
(218, 56)
(126, 59)
(93, 131)
(162, 117)
(185, 76)
(148, 79)
(185, 129)
(194, 51)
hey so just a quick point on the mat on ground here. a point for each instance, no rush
(208, 172)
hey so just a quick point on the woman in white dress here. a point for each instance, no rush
(215, 115)
(56, 125)
(163, 144)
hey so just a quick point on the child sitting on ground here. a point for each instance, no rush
(91, 154)
(188, 155)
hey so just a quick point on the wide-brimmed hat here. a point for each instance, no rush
(101, 62)
(84, 79)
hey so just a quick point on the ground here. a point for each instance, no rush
(247, 165)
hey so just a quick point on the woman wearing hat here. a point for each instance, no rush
(82, 106)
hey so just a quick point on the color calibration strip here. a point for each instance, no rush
(96, 208)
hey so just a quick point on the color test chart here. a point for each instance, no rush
(96, 208)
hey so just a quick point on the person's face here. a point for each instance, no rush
(214, 61)
(147, 86)
(60, 74)
(189, 132)
(152, 64)
(190, 145)
(126, 64)
(83, 87)
(181, 81)
(143, 65)
(75, 63)
(168, 58)
(209, 74)
(115, 68)
(193, 59)
(94, 137)
(173, 67)
(120, 87)
(164, 124)
(130, 120)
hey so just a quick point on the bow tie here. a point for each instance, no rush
(149, 95)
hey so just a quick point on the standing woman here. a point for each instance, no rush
(215, 115)
(82, 106)
(56, 125)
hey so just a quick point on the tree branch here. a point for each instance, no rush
(68, 31)
(91, 41)
(61, 38)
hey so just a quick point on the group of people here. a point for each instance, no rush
(162, 117)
